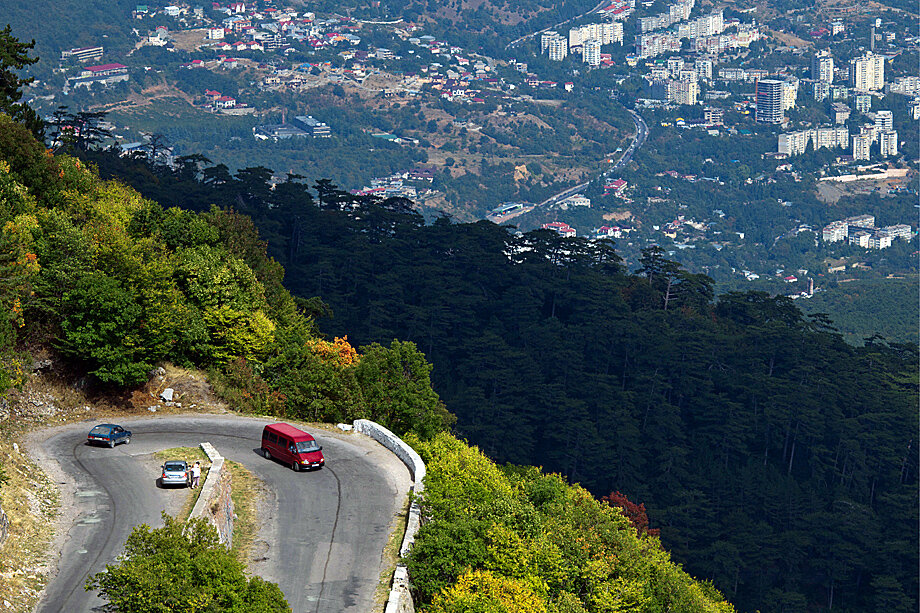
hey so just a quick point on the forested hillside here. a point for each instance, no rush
(776, 459)
(115, 283)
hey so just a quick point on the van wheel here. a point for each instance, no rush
(267, 454)
(295, 466)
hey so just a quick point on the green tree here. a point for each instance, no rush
(396, 382)
(14, 56)
(182, 568)
(100, 328)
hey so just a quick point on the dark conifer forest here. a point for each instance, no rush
(775, 459)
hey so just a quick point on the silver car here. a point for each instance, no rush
(176, 472)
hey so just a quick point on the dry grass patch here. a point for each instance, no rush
(246, 489)
(391, 556)
(31, 501)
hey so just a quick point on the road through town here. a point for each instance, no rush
(322, 535)
(638, 139)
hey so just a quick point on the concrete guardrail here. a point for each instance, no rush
(400, 599)
(214, 501)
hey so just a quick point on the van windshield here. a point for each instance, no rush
(307, 446)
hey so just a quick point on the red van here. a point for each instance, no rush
(291, 446)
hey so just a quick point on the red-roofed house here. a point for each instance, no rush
(561, 228)
(225, 102)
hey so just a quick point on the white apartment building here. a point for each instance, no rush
(906, 86)
(703, 68)
(606, 32)
(683, 92)
(888, 141)
(834, 232)
(795, 143)
(862, 102)
(675, 65)
(577, 200)
(822, 67)
(860, 238)
(707, 25)
(867, 73)
(861, 144)
(545, 39)
(792, 143)
(884, 120)
(898, 231)
(713, 116)
(591, 52)
(861, 221)
(879, 240)
(557, 47)
(822, 90)
(790, 93)
(831, 136)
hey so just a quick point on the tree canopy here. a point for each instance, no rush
(182, 568)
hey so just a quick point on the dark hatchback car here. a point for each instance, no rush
(108, 434)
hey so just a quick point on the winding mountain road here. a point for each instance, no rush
(322, 535)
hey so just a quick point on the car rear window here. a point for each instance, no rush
(175, 466)
(100, 430)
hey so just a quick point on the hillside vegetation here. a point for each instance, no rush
(514, 540)
(776, 459)
(117, 283)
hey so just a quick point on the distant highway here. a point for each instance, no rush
(638, 140)
(517, 41)
(322, 533)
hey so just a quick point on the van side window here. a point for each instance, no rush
(273, 437)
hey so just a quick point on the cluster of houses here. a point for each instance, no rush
(218, 102)
(566, 231)
(860, 230)
(400, 185)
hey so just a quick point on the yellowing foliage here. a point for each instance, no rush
(485, 592)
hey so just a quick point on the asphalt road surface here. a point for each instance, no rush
(322, 534)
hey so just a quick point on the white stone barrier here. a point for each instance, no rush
(214, 501)
(400, 600)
